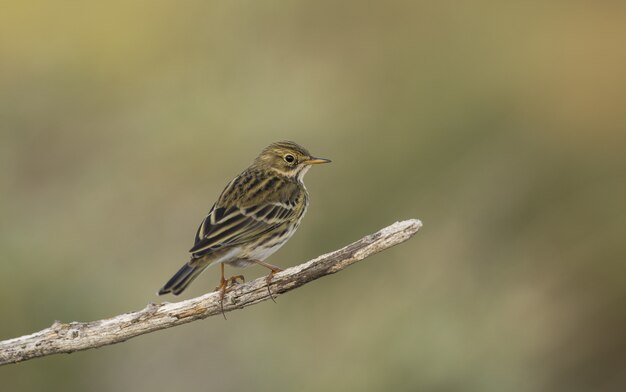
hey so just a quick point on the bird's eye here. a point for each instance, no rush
(289, 158)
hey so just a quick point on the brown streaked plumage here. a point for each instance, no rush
(258, 211)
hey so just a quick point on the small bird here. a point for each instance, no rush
(257, 212)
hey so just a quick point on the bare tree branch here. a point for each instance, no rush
(76, 336)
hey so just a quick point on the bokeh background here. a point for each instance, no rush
(502, 125)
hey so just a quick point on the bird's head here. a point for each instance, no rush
(288, 159)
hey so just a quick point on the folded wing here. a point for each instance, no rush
(225, 227)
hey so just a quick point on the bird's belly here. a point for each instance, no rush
(242, 260)
(227, 257)
(241, 257)
(263, 252)
(260, 251)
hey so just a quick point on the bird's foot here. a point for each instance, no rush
(268, 281)
(224, 286)
(222, 290)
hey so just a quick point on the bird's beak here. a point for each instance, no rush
(316, 161)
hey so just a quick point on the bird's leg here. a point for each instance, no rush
(222, 289)
(274, 269)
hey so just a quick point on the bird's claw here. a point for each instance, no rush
(268, 281)
(224, 286)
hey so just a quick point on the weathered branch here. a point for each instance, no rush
(76, 336)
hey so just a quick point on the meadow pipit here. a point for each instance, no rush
(255, 215)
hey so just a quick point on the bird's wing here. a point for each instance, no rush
(236, 225)
(228, 226)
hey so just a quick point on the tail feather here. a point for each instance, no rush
(179, 282)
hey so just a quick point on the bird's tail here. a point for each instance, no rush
(179, 282)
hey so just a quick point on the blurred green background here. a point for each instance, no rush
(502, 125)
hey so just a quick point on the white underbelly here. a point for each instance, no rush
(236, 258)
(232, 254)
(262, 253)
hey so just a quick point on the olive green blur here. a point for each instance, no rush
(502, 125)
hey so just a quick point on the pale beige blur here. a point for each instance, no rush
(500, 125)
